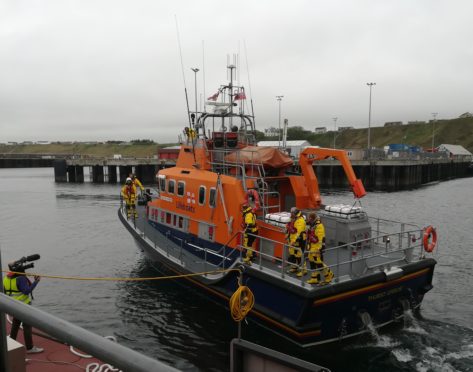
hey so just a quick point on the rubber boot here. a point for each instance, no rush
(303, 271)
(314, 279)
(328, 276)
(248, 256)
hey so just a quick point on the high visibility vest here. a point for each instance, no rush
(250, 221)
(11, 289)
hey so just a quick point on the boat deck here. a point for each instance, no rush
(56, 357)
(346, 263)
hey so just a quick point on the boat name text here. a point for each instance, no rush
(185, 207)
(383, 294)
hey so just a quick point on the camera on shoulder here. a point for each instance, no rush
(24, 263)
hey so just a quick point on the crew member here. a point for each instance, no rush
(316, 245)
(251, 230)
(136, 182)
(129, 195)
(190, 134)
(296, 239)
(19, 287)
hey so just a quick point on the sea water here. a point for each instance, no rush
(75, 229)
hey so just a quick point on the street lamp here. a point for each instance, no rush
(434, 114)
(196, 70)
(279, 98)
(334, 131)
(369, 122)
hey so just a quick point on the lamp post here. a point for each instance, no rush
(279, 98)
(434, 114)
(196, 70)
(334, 131)
(369, 122)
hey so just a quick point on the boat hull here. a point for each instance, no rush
(304, 315)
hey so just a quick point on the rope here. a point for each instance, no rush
(123, 279)
(241, 303)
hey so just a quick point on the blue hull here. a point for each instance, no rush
(306, 317)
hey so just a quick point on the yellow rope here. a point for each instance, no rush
(241, 303)
(123, 279)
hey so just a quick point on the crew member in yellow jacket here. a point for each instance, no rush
(250, 231)
(129, 195)
(316, 245)
(296, 239)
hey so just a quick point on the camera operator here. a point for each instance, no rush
(17, 285)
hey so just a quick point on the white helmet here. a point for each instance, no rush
(128, 180)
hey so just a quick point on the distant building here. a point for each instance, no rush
(320, 130)
(393, 123)
(341, 129)
(413, 122)
(456, 152)
(466, 115)
(43, 142)
(294, 147)
(27, 143)
(271, 132)
(355, 154)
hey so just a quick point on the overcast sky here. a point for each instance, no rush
(110, 69)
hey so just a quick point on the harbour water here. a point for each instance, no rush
(75, 229)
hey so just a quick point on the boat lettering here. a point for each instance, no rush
(166, 198)
(383, 294)
(184, 207)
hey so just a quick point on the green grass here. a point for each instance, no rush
(454, 131)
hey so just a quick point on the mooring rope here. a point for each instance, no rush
(123, 279)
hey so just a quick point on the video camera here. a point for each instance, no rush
(19, 266)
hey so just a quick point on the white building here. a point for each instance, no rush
(294, 147)
(456, 152)
(320, 130)
(271, 132)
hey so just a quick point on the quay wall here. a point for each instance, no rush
(392, 175)
(383, 175)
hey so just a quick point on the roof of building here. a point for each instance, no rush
(288, 143)
(455, 149)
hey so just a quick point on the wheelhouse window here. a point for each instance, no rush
(181, 188)
(202, 190)
(212, 197)
(171, 186)
(162, 183)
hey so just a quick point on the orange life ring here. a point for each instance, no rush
(428, 233)
(253, 194)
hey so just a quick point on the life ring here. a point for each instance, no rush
(428, 233)
(252, 193)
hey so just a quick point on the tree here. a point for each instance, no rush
(297, 133)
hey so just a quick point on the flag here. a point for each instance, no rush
(238, 96)
(214, 96)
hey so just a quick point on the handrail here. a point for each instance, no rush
(106, 350)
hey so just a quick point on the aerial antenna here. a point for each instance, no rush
(203, 69)
(183, 75)
(249, 84)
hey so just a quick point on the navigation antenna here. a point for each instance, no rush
(183, 75)
(249, 86)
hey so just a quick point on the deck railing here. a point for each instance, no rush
(379, 252)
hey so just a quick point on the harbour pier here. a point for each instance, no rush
(105, 170)
(392, 175)
(383, 175)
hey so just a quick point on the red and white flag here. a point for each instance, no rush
(238, 96)
(214, 96)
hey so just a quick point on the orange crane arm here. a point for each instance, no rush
(311, 154)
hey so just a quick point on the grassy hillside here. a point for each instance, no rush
(135, 150)
(455, 131)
